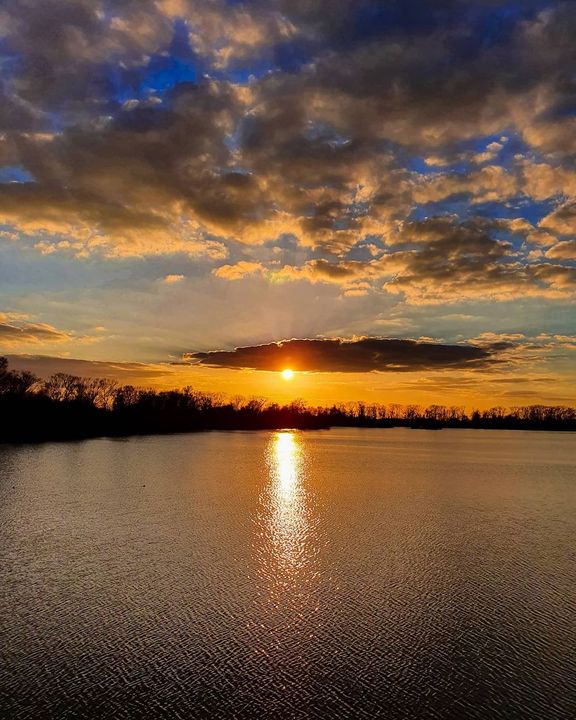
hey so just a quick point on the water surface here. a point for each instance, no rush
(345, 574)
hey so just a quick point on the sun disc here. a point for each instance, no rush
(287, 374)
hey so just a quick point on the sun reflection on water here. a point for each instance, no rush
(286, 463)
(287, 512)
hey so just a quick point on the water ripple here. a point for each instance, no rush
(343, 574)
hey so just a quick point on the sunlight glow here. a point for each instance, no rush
(287, 374)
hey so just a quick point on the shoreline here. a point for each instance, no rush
(35, 440)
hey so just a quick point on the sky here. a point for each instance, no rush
(380, 195)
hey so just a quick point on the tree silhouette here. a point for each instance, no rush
(67, 407)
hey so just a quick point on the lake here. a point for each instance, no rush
(349, 573)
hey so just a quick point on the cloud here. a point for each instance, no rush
(491, 183)
(172, 279)
(562, 220)
(341, 273)
(230, 35)
(80, 224)
(239, 270)
(65, 45)
(563, 250)
(19, 332)
(337, 355)
(127, 372)
(308, 146)
(489, 154)
(441, 260)
(185, 127)
(543, 180)
(13, 335)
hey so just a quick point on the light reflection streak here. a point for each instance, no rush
(287, 510)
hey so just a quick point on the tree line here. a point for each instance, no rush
(68, 407)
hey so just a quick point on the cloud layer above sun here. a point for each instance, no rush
(200, 174)
(362, 355)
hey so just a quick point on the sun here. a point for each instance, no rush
(287, 374)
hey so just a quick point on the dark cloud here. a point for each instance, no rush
(65, 48)
(363, 355)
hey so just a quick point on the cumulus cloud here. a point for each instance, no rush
(172, 279)
(454, 261)
(442, 260)
(491, 183)
(180, 126)
(563, 250)
(239, 270)
(562, 220)
(361, 355)
(341, 273)
(228, 34)
(543, 180)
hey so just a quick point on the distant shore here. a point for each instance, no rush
(67, 407)
(77, 437)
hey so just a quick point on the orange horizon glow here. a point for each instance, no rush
(458, 388)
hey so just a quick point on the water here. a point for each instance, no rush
(343, 574)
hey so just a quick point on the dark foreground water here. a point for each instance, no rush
(341, 574)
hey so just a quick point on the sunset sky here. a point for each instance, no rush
(388, 187)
